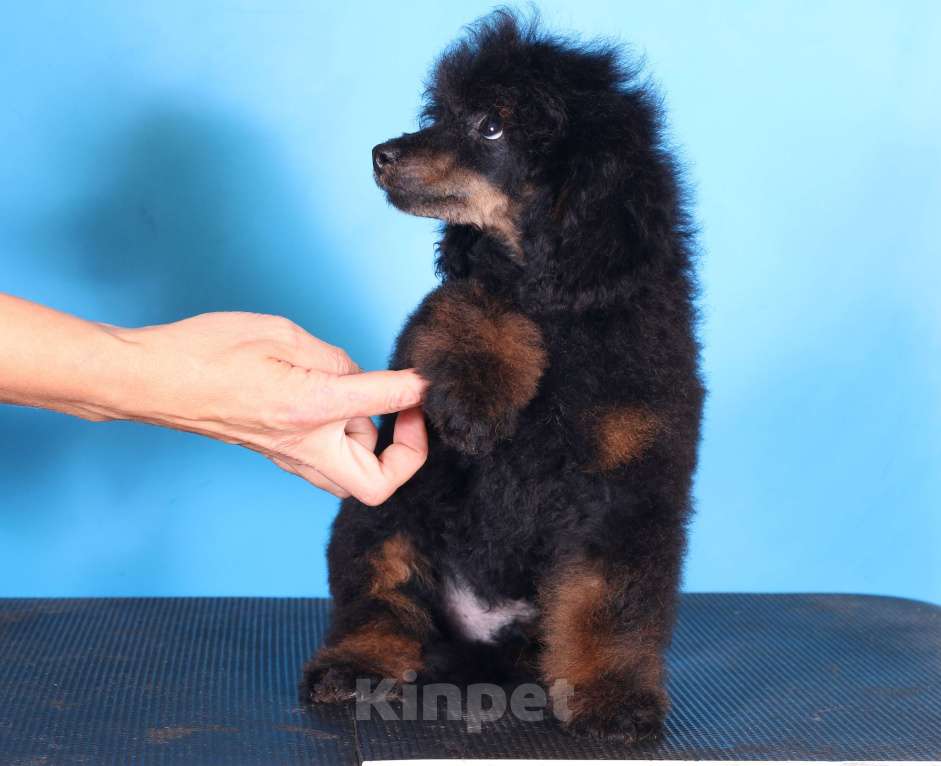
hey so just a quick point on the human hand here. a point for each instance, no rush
(264, 383)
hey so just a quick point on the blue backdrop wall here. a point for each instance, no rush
(167, 158)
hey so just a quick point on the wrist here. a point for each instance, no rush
(153, 378)
(114, 386)
(134, 381)
(95, 382)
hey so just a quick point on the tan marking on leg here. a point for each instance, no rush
(379, 647)
(517, 342)
(584, 644)
(623, 434)
(466, 319)
(394, 564)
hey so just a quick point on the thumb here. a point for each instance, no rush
(374, 393)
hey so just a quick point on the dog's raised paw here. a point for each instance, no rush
(459, 421)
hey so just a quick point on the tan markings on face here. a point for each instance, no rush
(468, 320)
(379, 647)
(584, 642)
(394, 564)
(472, 198)
(623, 433)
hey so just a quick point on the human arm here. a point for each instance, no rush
(250, 379)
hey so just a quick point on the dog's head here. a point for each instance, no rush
(513, 119)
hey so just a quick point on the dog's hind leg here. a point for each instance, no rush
(381, 617)
(605, 627)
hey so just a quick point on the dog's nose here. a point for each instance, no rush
(384, 155)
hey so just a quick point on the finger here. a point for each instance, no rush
(408, 451)
(372, 479)
(372, 393)
(311, 475)
(410, 431)
(364, 431)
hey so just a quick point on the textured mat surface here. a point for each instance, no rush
(213, 681)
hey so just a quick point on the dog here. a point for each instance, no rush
(544, 535)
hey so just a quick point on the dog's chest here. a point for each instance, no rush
(479, 620)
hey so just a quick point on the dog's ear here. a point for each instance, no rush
(615, 195)
(590, 185)
(580, 189)
(545, 115)
(617, 162)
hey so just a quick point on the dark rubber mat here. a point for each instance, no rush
(168, 681)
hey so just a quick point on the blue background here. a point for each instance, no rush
(168, 158)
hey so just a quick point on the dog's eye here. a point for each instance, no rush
(491, 127)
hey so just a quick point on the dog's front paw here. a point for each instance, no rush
(467, 414)
(482, 361)
(629, 717)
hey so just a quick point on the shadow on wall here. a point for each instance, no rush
(186, 212)
(203, 214)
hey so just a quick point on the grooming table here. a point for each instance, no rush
(207, 681)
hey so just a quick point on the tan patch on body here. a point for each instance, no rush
(584, 644)
(378, 647)
(394, 564)
(466, 319)
(623, 433)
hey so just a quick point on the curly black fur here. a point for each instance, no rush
(564, 401)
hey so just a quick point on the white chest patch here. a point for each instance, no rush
(479, 620)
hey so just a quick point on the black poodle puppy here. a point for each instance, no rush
(545, 533)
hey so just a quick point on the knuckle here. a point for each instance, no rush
(397, 400)
(285, 330)
(372, 497)
(278, 417)
(405, 395)
(341, 360)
